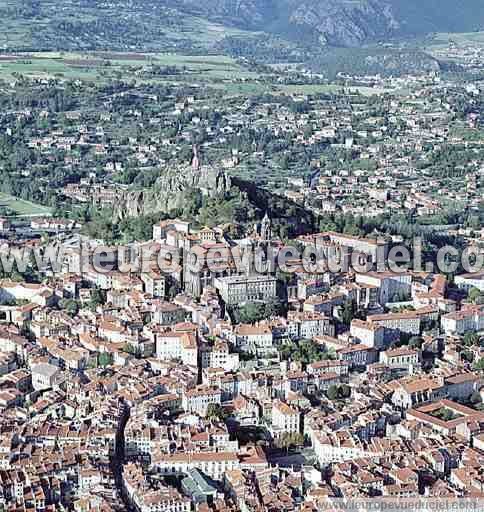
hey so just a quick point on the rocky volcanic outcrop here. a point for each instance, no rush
(168, 191)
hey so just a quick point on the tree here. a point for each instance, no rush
(97, 298)
(274, 307)
(251, 313)
(287, 350)
(339, 392)
(479, 365)
(70, 305)
(344, 391)
(467, 355)
(104, 359)
(475, 295)
(129, 349)
(447, 415)
(289, 439)
(415, 342)
(348, 312)
(333, 392)
(306, 352)
(470, 339)
(215, 412)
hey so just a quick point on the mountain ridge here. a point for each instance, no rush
(191, 25)
(341, 22)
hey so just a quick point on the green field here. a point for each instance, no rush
(218, 71)
(22, 208)
(101, 66)
(321, 89)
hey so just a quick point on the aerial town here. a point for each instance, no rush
(256, 293)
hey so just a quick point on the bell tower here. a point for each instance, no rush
(265, 228)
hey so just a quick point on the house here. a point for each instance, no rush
(45, 376)
(285, 419)
(305, 324)
(198, 400)
(358, 355)
(340, 368)
(402, 357)
(469, 319)
(468, 281)
(176, 345)
(254, 339)
(154, 283)
(367, 333)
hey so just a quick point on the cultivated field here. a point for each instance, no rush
(217, 71)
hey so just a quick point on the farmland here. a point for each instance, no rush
(17, 207)
(103, 66)
(217, 71)
(443, 39)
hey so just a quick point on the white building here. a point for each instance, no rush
(45, 376)
(371, 335)
(468, 281)
(305, 324)
(391, 286)
(213, 464)
(340, 446)
(285, 419)
(240, 289)
(176, 345)
(401, 358)
(255, 339)
(469, 319)
(199, 399)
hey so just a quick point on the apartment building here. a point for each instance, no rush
(370, 334)
(400, 357)
(304, 324)
(240, 289)
(392, 287)
(176, 345)
(468, 319)
(198, 400)
(154, 283)
(468, 281)
(407, 322)
(254, 339)
(213, 464)
(285, 419)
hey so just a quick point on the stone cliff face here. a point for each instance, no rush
(345, 23)
(168, 191)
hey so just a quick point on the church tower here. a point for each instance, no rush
(265, 228)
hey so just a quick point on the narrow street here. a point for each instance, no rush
(118, 458)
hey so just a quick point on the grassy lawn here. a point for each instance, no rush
(44, 67)
(23, 208)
